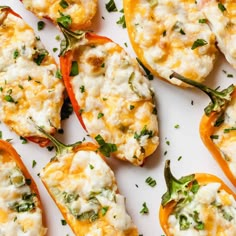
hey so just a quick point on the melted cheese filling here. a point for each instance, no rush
(225, 136)
(222, 19)
(80, 11)
(163, 35)
(211, 212)
(116, 101)
(15, 218)
(27, 89)
(84, 186)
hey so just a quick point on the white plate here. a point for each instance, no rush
(174, 107)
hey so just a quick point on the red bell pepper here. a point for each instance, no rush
(216, 130)
(123, 117)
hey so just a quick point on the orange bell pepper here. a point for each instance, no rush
(42, 141)
(85, 191)
(214, 124)
(181, 192)
(20, 179)
(118, 111)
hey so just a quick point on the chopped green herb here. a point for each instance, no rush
(34, 163)
(64, 4)
(100, 115)
(54, 49)
(145, 209)
(230, 75)
(183, 222)
(20, 86)
(58, 37)
(227, 216)
(39, 56)
(104, 210)
(24, 140)
(91, 166)
(58, 74)
(126, 45)
(143, 132)
(111, 6)
(105, 148)
(15, 54)
(9, 98)
(121, 21)
(165, 153)
(0, 134)
(182, 31)
(198, 43)
(168, 142)
(221, 7)
(74, 69)
(214, 136)
(202, 21)
(179, 158)
(41, 25)
(131, 107)
(150, 181)
(176, 126)
(63, 222)
(229, 129)
(65, 20)
(82, 89)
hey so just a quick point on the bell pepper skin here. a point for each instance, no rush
(176, 187)
(213, 123)
(108, 94)
(26, 100)
(84, 189)
(9, 155)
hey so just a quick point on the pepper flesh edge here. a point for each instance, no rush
(202, 178)
(68, 217)
(7, 148)
(65, 63)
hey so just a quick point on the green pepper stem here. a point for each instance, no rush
(71, 39)
(175, 187)
(60, 147)
(219, 99)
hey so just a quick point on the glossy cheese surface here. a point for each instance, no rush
(211, 211)
(116, 100)
(20, 213)
(80, 12)
(221, 16)
(84, 188)
(224, 137)
(28, 84)
(170, 35)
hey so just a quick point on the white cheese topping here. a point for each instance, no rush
(226, 136)
(164, 33)
(80, 11)
(16, 218)
(116, 100)
(211, 212)
(28, 85)
(222, 19)
(85, 185)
